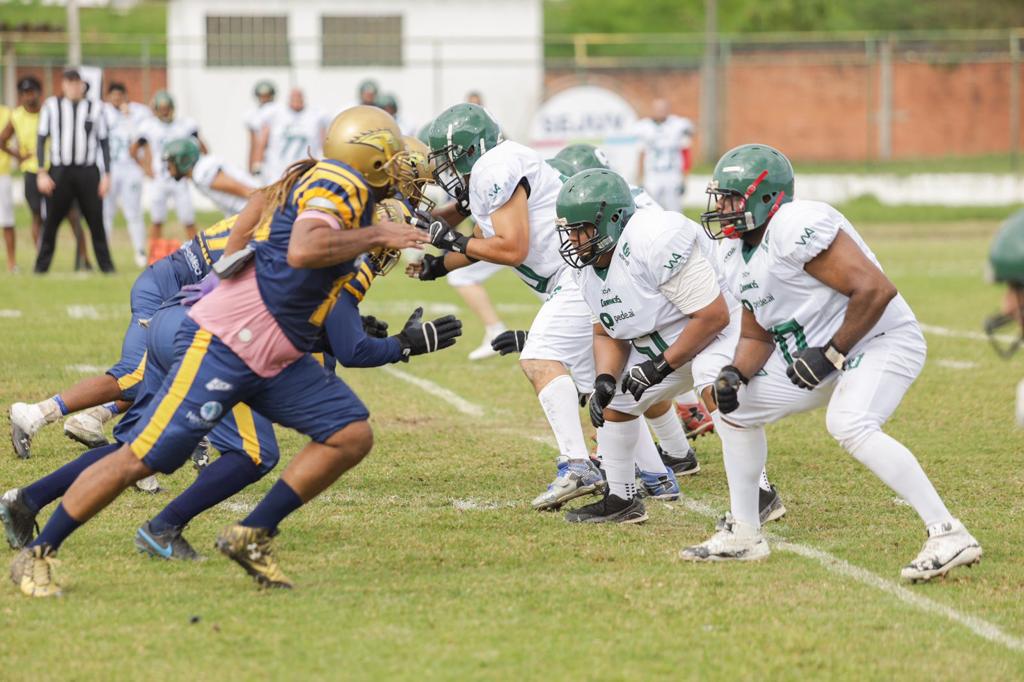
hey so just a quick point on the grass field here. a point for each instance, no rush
(427, 563)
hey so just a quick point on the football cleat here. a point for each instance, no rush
(771, 507)
(201, 455)
(734, 541)
(682, 466)
(251, 549)
(948, 545)
(575, 478)
(663, 486)
(86, 427)
(483, 351)
(19, 521)
(168, 544)
(26, 420)
(696, 419)
(609, 509)
(32, 572)
(149, 484)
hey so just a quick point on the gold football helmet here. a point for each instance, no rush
(383, 259)
(418, 174)
(368, 139)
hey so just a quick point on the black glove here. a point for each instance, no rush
(641, 377)
(444, 237)
(727, 387)
(377, 329)
(604, 391)
(419, 337)
(511, 341)
(432, 268)
(811, 366)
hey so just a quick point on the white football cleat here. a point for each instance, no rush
(86, 427)
(26, 420)
(948, 545)
(140, 260)
(734, 541)
(149, 484)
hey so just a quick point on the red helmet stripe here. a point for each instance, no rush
(753, 186)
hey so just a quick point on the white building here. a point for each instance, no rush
(429, 53)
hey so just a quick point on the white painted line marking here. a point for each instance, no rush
(10, 313)
(453, 399)
(480, 505)
(950, 363)
(959, 333)
(406, 307)
(83, 312)
(237, 507)
(834, 564)
(545, 440)
(86, 369)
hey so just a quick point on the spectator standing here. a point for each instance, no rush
(77, 133)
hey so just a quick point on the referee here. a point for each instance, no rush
(78, 140)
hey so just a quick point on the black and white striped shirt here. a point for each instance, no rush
(77, 131)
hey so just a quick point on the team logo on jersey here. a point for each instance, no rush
(605, 302)
(673, 261)
(748, 286)
(607, 320)
(494, 191)
(211, 410)
(808, 233)
(216, 384)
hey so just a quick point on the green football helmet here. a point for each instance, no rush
(760, 177)
(264, 88)
(581, 157)
(183, 153)
(561, 166)
(1006, 264)
(163, 106)
(595, 204)
(458, 137)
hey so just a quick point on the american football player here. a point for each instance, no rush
(822, 325)
(227, 187)
(289, 133)
(248, 339)
(664, 163)
(1005, 329)
(124, 119)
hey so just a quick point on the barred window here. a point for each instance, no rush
(247, 41)
(361, 41)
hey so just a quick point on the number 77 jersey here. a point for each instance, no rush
(794, 307)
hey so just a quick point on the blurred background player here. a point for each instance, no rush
(7, 197)
(23, 129)
(289, 133)
(156, 132)
(389, 103)
(124, 119)
(1006, 263)
(225, 185)
(665, 159)
(264, 92)
(367, 93)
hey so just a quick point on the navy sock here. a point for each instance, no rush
(50, 487)
(278, 503)
(228, 474)
(57, 529)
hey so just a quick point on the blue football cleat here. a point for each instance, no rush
(663, 486)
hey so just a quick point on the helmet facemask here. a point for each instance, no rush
(383, 260)
(447, 175)
(731, 224)
(416, 176)
(579, 254)
(1010, 340)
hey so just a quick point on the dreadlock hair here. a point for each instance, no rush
(277, 192)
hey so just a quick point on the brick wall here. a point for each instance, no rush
(141, 83)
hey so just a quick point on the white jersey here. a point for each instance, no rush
(496, 176)
(293, 135)
(641, 199)
(663, 144)
(157, 134)
(203, 175)
(628, 302)
(254, 119)
(122, 131)
(770, 280)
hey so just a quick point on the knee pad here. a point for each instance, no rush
(850, 429)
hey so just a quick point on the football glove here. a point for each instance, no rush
(727, 387)
(374, 328)
(511, 341)
(811, 366)
(444, 237)
(646, 374)
(193, 293)
(432, 267)
(419, 337)
(604, 391)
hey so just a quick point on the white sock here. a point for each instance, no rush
(689, 397)
(50, 410)
(892, 462)
(669, 431)
(765, 485)
(101, 413)
(645, 453)
(744, 452)
(617, 441)
(561, 406)
(492, 330)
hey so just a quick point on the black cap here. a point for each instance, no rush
(71, 74)
(29, 83)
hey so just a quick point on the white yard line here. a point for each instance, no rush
(83, 312)
(834, 564)
(86, 369)
(8, 312)
(438, 391)
(950, 363)
(959, 333)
